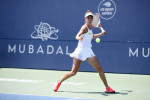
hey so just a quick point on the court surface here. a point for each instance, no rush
(31, 84)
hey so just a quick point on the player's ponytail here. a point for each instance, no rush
(88, 11)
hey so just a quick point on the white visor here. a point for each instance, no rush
(88, 14)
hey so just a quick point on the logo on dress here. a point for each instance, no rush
(89, 33)
(44, 32)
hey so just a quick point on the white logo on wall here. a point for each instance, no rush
(107, 9)
(144, 52)
(44, 31)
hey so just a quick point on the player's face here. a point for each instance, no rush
(89, 19)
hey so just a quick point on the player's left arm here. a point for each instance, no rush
(99, 34)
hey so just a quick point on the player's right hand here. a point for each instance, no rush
(104, 32)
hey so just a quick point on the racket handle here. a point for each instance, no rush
(102, 29)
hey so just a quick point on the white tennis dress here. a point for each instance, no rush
(83, 50)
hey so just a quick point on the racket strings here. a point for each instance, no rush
(96, 20)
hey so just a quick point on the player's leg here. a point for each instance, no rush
(75, 68)
(95, 63)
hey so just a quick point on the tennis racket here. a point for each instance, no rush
(96, 21)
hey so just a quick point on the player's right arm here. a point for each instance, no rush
(82, 31)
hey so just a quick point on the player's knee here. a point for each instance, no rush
(99, 69)
(73, 73)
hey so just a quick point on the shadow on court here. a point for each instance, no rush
(125, 92)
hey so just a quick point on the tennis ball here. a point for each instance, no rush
(98, 40)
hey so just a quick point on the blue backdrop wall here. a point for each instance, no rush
(41, 34)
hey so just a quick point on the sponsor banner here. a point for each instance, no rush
(41, 34)
(114, 57)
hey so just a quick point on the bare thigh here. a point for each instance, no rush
(76, 65)
(95, 63)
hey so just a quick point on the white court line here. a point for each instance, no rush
(39, 81)
(20, 80)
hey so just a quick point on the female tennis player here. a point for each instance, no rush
(84, 52)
